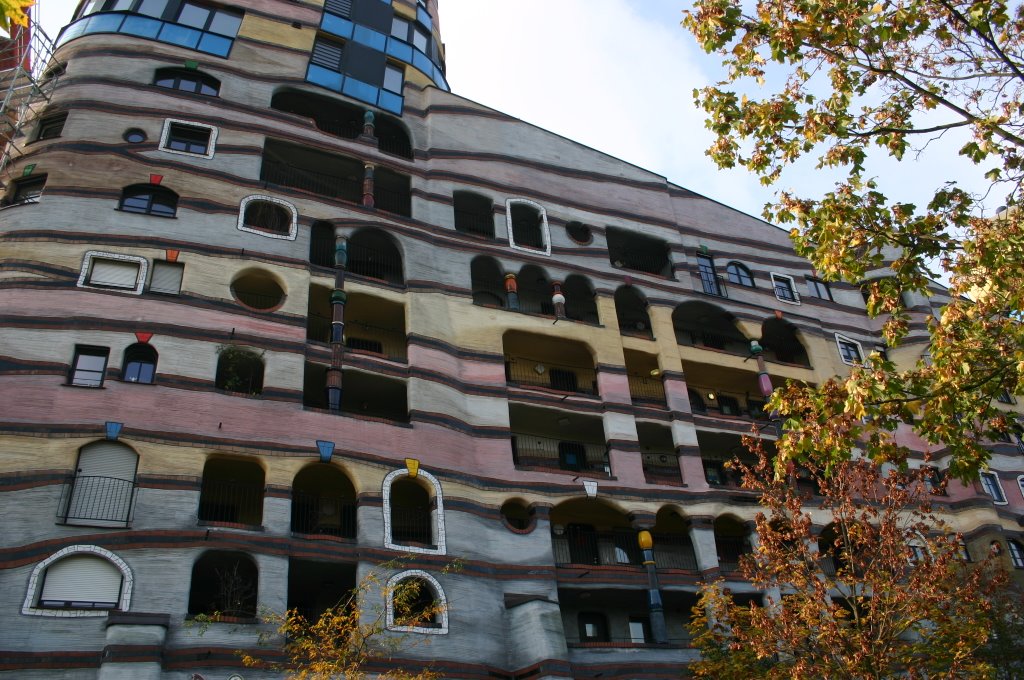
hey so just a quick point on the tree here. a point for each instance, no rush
(342, 641)
(881, 592)
(850, 80)
(14, 12)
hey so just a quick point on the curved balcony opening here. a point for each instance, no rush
(781, 343)
(638, 252)
(392, 192)
(542, 362)
(661, 466)
(474, 214)
(673, 547)
(488, 282)
(392, 137)
(323, 502)
(534, 291)
(717, 452)
(314, 587)
(606, 624)
(646, 387)
(631, 312)
(318, 172)
(550, 440)
(732, 541)
(580, 303)
(700, 324)
(232, 492)
(225, 585)
(329, 115)
(375, 326)
(725, 393)
(589, 532)
(321, 244)
(369, 395)
(375, 255)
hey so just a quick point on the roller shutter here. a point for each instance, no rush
(114, 273)
(81, 582)
(103, 486)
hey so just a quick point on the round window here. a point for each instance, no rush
(134, 135)
(517, 516)
(258, 290)
(579, 232)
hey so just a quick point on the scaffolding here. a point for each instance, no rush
(26, 86)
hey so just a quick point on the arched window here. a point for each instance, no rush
(232, 492)
(474, 214)
(139, 363)
(631, 310)
(187, 81)
(580, 303)
(416, 603)
(79, 580)
(323, 502)
(149, 199)
(739, 275)
(488, 282)
(268, 216)
(103, 488)
(224, 584)
(239, 370)
(373, 254)
(413, 513)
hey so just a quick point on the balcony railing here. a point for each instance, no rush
(619, 642)
(376, 264)
(533, 373)
(638, 260)
(555, 454)
(713, 284)
(323, 184)
(96, 499)
(321, 250)
(230, 501)
(322, 514)
(394, 201)
(647, 390)
(479, 223)
(730, 549)
(360, 337)
(585, 547)
(411, 525)
(725, 403)
(663, 474)
(673, 551)
(701, 338)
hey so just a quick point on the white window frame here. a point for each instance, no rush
(35, 584)
(792, 288)
(165, 133)
(438, 519)
(90, 255)
(441, 600)
(994, 478)
(1016, 553)
(860, 350)
(545, 232)
(290, 236)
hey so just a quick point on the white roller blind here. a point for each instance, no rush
(166, 278)
(82, 579)
(107, 459)
(114, 273)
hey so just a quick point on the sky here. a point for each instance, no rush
(618, 76)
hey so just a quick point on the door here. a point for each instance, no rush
(104, 486)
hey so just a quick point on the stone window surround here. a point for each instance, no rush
(290, 236)
(166, 131)
(439, 598)
(87, 259)
(440, 548)
(35, 581)
(545, 232)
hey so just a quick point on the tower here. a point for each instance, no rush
(280, 308)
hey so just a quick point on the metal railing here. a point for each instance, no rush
(96, 499)
(725, 403)
(530, 450)
(638, 260)
(663, 474)
(533, 373)
(395, 144)
(647, 390)
(587, 313)
(376, 264)
(479, 223)
(321, 514)
(535, 304)
(620, 642)
(230, 501)
(587, 547)
(730, 549)
(713, 284)
(411, 525)
(360, 337)
(333, 186)
(321, 251)
(395, 201)
(346, 129)
(701, 338)
(674, 551)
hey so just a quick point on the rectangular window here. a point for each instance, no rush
(113, 273)
(27, 190)
(394, 77)
(166, 277)
(194, 139)
(342, 8)
(849, 350)
(420, 39)
(639, 630)
(327, 54)
(400, 28)
(819, 289)
(51, 126)
(990, 483)
(708, 276)
(89, 366)
(1006, 398)
(784, 288)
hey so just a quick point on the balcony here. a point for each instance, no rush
(630, 250)
(323, 502)
(716, 402)
(604, 625)
(363, 394)
(474, 214)
(536, 452)
(699, 324)
(659, 458)
(107, 501)
(373, 325)
(314, 586)
(586, 547)
(524, 372)
(233, 502)
(645, 385)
